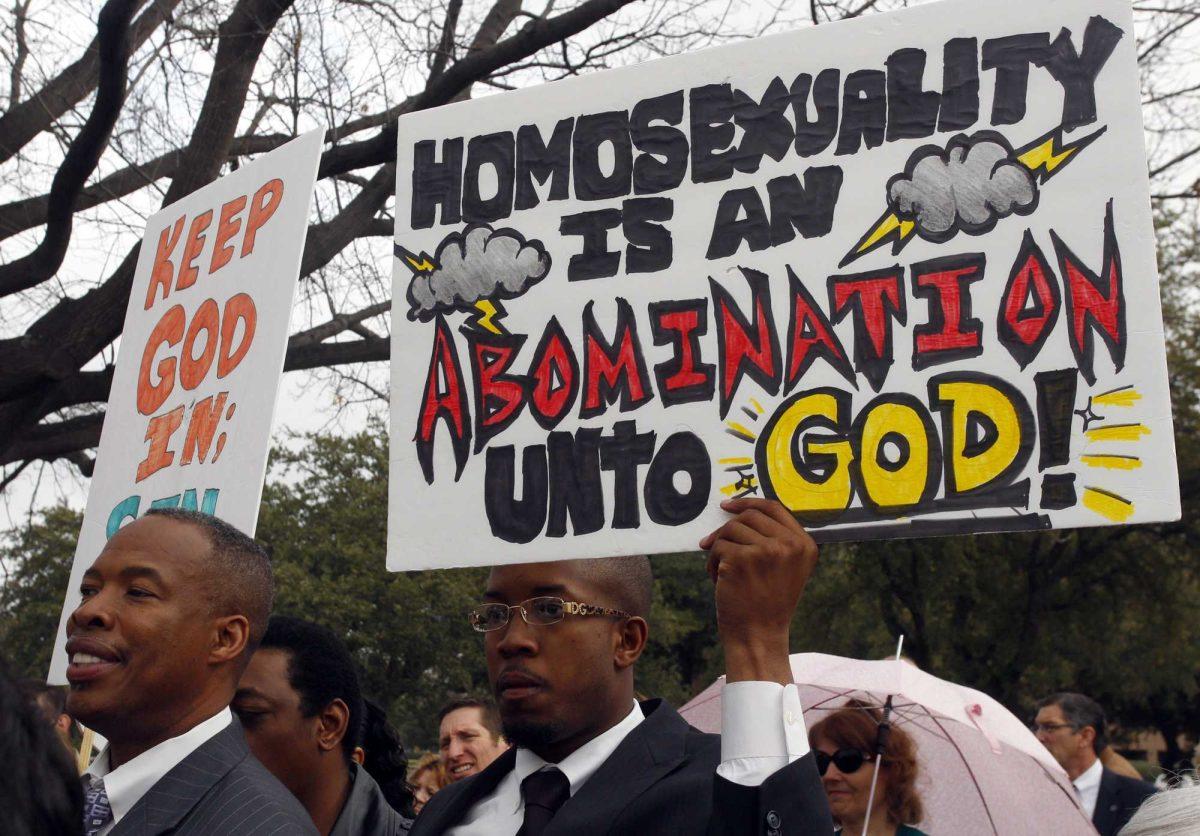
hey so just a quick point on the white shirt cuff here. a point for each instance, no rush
(762, 730)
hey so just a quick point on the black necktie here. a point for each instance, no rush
(544, 792)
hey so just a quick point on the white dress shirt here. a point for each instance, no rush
(1087, 787)
(126, 784)
(762, 731)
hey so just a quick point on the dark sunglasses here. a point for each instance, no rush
(846, 760)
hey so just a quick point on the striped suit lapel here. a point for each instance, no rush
(175, 794)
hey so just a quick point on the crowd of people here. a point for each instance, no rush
(221, 718)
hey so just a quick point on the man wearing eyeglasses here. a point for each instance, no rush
(561, 641)
(1072, 727)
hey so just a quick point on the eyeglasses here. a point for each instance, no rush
(846, 760)
(1049, 727)
(540, 611)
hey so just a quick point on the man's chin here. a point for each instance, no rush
(530, 733)
(97, 707)
(89, 709)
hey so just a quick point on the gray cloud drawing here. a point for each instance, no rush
(477, 263)
(968, 186)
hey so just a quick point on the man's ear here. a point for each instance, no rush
(359, 755)
(231, 634)
(1088, 735)
(629, 641)
(332, 724)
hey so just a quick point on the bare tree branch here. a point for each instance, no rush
(328, 239)
(532, 37)
(337, 325)
(34, 115)
(1174, 161)
(55, 347)
(56, 440)
(445, 47)
(94, 320)
(15, 75)
(82, 155)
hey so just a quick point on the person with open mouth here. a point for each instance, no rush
(171, 611)
(469, 737)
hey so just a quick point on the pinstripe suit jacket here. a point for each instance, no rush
(218, 790)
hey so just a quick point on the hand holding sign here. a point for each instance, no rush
(760, 561)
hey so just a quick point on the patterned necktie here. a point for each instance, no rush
(96, 810)
(544, 792)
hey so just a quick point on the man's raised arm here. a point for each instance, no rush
(760, 561)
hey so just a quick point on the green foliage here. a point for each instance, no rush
(38, 562)
(324, 516)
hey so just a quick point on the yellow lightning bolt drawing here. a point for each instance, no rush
(889, 228)
(489, 316)
(1045, 156)
(422, 263)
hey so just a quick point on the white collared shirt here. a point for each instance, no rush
(1087, 787)
(126, 784)
(751, 750)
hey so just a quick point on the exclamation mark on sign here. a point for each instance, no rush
(1055, 412)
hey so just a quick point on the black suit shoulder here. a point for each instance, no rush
(1132, 788)
(1117, 800)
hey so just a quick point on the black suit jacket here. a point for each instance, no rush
(660, 779)
(219, 788)
(1117, 801)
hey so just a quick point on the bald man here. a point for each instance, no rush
(172, 609)
(561, 641)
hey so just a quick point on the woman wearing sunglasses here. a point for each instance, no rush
(844, 746)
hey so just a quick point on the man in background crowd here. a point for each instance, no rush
(51, 701)
(469, 737)
(300, 704)
(1073, 728)
(171, 611)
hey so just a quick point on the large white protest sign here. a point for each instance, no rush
(896, 272)
(193, 394)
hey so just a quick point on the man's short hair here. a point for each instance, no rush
(1081, 711)
(320, 670)
(489, 716)
(627, 580)
(240, 579)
